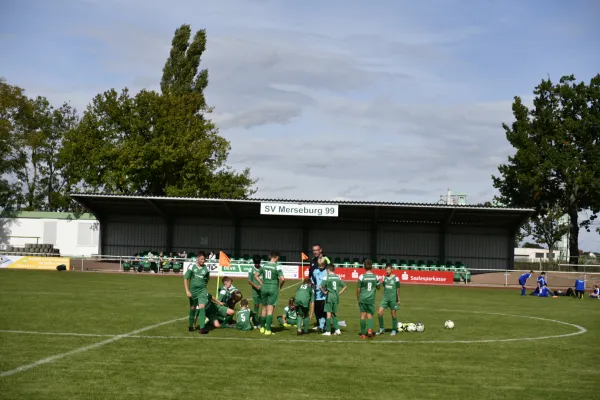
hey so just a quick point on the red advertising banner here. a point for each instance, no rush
(410, 277)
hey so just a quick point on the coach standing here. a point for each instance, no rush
(316, 275)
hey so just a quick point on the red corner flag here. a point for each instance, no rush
(304, 257)
(223, 259)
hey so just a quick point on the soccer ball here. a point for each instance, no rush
(449, 324)
(400, 327)
(420, 327)
(411, 327)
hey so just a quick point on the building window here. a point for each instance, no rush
(539, 255)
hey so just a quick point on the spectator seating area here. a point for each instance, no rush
(34, 249)
(158, 261)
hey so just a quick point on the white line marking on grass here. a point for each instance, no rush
(132, 335)
(83, 349)
(59, 333)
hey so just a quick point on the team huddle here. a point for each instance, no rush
(267, 280)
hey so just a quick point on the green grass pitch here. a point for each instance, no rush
(71, 321)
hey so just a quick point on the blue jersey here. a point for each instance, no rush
(541, 281)
(544, 292)
(523, 278)
(318, 276)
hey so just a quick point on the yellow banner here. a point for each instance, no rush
(36, 262)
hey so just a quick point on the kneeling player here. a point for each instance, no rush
(391, 297)
(229, 295)
(332, 287)
(217, 312)
(290, 316)
(305, 297)
(244, 317)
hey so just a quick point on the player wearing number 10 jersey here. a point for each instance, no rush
(270, 278)
(332, 286)
(365, 294)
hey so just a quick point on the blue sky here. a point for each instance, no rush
(386, 100)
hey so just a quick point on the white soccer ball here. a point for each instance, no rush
(449, 324)
(411, 327)
(420, 327)
(400, 327)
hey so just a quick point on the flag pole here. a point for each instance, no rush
(218, 275)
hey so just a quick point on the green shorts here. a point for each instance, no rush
(256, 296)
(198, 299)
(302, 310)
(331, 308)
(219, 313)
(389, 305)
(368, 308)
(269, 296)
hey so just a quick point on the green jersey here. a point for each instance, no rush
(304, 295)
(252, 279)
(226, 294)
(198, 277)
(290, 315)
(367, 283)
(333, 285)
(270, 273)
(390, 284)
(244, 318)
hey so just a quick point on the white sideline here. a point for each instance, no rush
(83, 349)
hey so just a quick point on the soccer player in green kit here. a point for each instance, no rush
(195, 280)
(365, 294)
(290, 314)
(229, 295)
(391, 297)
(244, 317)
(271, 280)
(332, 287)
(255, 289)
(305, 297)
(217, 312)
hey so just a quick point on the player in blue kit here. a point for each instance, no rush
(541, 281)
(523, 282)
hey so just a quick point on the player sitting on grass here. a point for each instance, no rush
(545, 292)
(305, 297)
(271, 280)
(391, 297)
(290, 316)
(365, 294)
(194, 282)
(229, 295)
(255, 289)
(596, 293)
(523, 282)
(244, 317)
(332, 287)
(541, 281)
(217, 312)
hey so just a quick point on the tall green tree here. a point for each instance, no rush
(547, 228)
(156, 143)
(557, 158)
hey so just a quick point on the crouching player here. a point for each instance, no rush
(217, 312)
(365, 294)
(290, 316)
(229, 295)
(596, 293)
(332, 287)
(244, 317)
(305, 297)
(523, 282)
(391, 297)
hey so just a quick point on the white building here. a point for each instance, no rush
(455, 199)
(72, 236)
(535, 255)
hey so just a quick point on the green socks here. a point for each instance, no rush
(363, 327)
(328, 325)
(255, 315)
(381, 323)
(280, 320)
(202, 317)
(263, 322)
(268, 322)
(336, 325)
(306, 324)
(394, 324)
(370, 323)
(191, 317)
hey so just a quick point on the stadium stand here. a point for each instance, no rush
(34, 249)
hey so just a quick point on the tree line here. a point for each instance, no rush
(151, 143)
(164, 144)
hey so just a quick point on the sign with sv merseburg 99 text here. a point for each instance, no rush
(300, 210)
